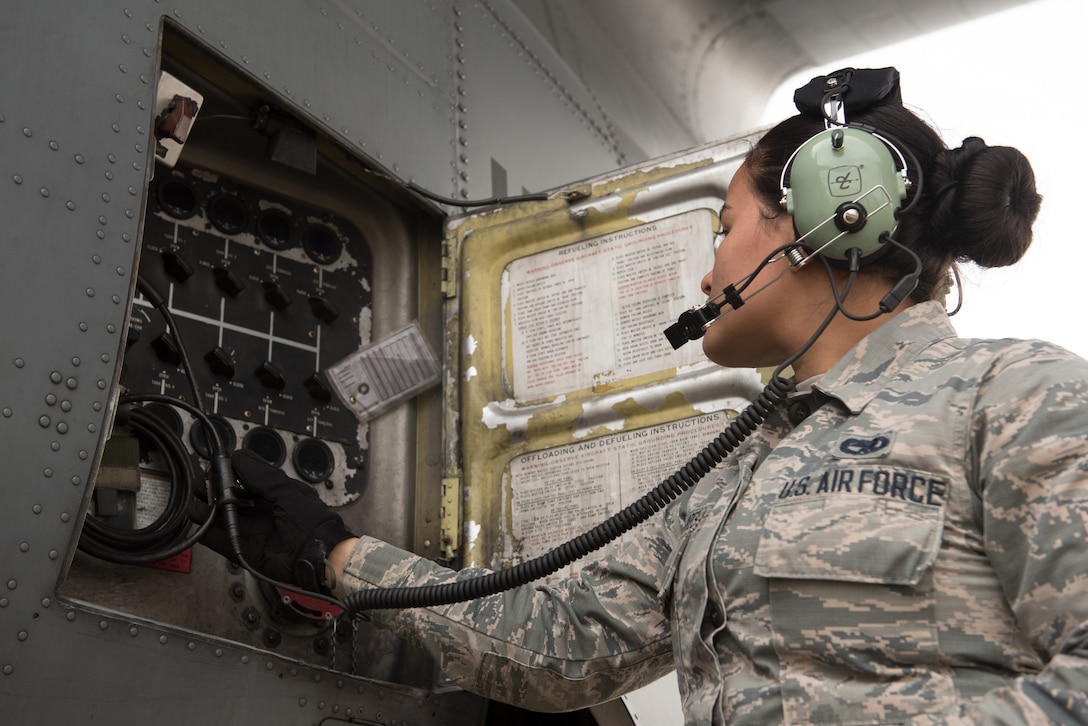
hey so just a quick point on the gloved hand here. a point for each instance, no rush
(286, 530)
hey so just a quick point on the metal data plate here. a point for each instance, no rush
(573, 404)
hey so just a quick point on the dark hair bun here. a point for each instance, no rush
(984, 202)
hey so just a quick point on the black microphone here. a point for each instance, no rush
(692, 324)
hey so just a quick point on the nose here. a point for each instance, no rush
(705, 284)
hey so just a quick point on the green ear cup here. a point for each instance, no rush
(844, 183)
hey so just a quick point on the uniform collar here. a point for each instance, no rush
(855, 378)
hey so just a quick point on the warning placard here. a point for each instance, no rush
(558, 493)
(594, 312)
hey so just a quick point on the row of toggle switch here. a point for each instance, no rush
(180, 269)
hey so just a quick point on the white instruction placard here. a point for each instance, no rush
(558, 493)
(594, 312)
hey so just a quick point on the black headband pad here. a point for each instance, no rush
(858, 88)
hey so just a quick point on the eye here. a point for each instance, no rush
(719, 237)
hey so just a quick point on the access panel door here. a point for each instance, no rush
(571, 401)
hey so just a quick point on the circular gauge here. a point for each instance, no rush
(274, 229)
(227, 213)
(177, 199)
(198, 437)
(267, 444)
(322, 244)
(313, 460)
(168, 415)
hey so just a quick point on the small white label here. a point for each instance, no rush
(377, 377)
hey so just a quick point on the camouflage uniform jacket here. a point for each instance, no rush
(914, 550)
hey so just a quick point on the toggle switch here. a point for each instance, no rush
(323, 309)
(228, 282)
(271, 376)
(277, 296)
(220, 361)
(177, 266)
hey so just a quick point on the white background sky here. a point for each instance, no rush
(1016, 78)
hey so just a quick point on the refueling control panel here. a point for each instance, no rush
(267, 293)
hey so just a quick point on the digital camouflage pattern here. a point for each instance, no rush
(912, 551)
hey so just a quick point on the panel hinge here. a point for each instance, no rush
(450, 531)
(451, 248)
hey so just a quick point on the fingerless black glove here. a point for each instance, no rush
(286, 530)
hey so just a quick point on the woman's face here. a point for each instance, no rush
(759, 332)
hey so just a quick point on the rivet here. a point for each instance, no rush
(109, 175)
(12, 584)
(64, 516)
(27, 132)
(53, 554)
(103, 625)
(119, 98)
(62, 428)
(24, 546)
(53, 145)
(8, 670)
(122, 68)
(192, 645)
(51, 399)
(72, 383)
(71, 615)
(46, 602)
(7, 412)
(17, 179)
(245, 659)
(44, 192)
(55, 446)
(90, 292)
(79, 158)
(66, 406)
(70, 204)
(3, 602)
(133, 631)
(302, 701)
(218, 652)
(76, 481)
(19, 363)
(44, 421)
(76, 361)
(47, 472)
(116, 127)
(83, 455)
(111, 328)
(37, 509)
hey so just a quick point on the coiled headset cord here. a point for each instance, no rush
(635, 514)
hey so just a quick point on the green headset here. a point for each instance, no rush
(844, 187)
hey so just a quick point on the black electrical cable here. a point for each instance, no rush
(166, 535)
(491, 201)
